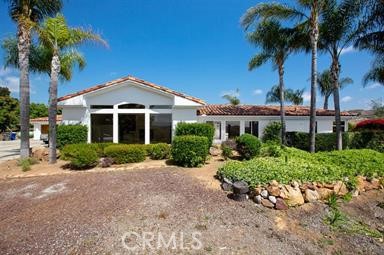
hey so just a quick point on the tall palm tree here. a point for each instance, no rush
(291, 96)
(326, 87)
(275, 43)
(339, 29)
(55, 35)
(307, 13)
(27, 13)
(233, 98)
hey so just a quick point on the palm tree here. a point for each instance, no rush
(307, 12)
(55, 35)
(27, 13)
(233, 97)
(275, 43)
(339, 29)
(293, 96)
(326, 86)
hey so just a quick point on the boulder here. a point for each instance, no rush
(340, 188)
(264, 193)
(360, 183)
(280, 204)
(214, 151)
(226, 186)
(257, 191)
(324, 193)
(240, 187)
(274, 183)
(311, 195)
(105, 162)
(40, 153)
(293, 195)
(273, 190)
(267, 203)
(373, 184)
(257, 199)
(272, 199)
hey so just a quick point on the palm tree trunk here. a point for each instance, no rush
(335, 73)
(314, 35)
(326, 99)
(52, 112)
(23, 45)
(282, 108)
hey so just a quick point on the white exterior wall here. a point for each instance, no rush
(36, 131)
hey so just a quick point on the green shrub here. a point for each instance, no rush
(226, 151)
(189, 150)
(367, 139)
(198, 129)
(126, 153)
(248, 146)
(71, 134)
(305, 167)
(272, 132)
(26, 163)
(324, 141)
(270, 150)
(159, 151)
(81, 156)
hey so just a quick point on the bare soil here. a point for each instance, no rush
(89, 213)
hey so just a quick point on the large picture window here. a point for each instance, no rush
(101, 128)
(161, 128)
(233, 129)
(131, 128)
(252, 127)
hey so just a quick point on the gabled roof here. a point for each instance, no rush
(262, 110)
(134, 79)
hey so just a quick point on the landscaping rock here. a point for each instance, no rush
(311, 195)
(226, 186)
(226, 180)
(105, 162)
(41, 153)
(264, 193)
(257, 199)
(324, 193)
(273, 190)
(340, 188)
(361, 184)
(257, 191)
(272, 199)
(267, 203)
(280, 204)
(240, 187)
(293, 195)
(239, 197)
(274, 183)
(214, 151)
(295, 184)
(373, 184)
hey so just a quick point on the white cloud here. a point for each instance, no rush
(11, 82)
(4, 71)
(349, 49)
(346, 99)
(374, 86)
(307, 96)
(257, 92)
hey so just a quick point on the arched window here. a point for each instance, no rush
(131, 106)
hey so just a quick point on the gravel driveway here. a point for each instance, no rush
(90, 213)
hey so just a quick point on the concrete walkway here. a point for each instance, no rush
(11, 149)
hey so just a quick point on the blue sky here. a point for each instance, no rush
(193, 46)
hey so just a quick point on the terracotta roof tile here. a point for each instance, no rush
(45, 119)
(263, 110)
(134, 79)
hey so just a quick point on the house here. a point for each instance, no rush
(131, 110)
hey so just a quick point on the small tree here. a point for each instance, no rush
(233, 98)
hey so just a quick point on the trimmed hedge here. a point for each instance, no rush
(367, 139)
(197, 129)
(298, 165)
(324, 141)
(81, 156)
(272, 132)
(126, 153)
(71, 134)
(159, 151)
(248, 146)
(189, 150)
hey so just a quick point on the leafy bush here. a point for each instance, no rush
(226, 151)
(272, 132)
(373, 124)
(71, 134)
(324, 141)
(248, 146)
(367, 139)
(270, 150)
(126, 153)
(189, 150)
(198, 129)
(81, 156)
(159, 151)
(26, 163)
(305, 167)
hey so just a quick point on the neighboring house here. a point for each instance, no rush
(40, 127)
(131, 110)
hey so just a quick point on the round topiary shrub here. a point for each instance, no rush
(189, 150)
(81, 156)
(159, 151)
(248, 146)
(126, 153)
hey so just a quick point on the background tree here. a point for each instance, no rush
(339, 29)
(27, 13)
(295, 96)
(326, 86)
(378, 107)
(291, 96)
(233, 98)
(9, 110)
(38, 110)
(55, 35)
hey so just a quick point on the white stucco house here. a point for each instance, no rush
(131, 110)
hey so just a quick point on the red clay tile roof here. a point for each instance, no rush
(263, 110)
(45, 119)
(134, 79)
